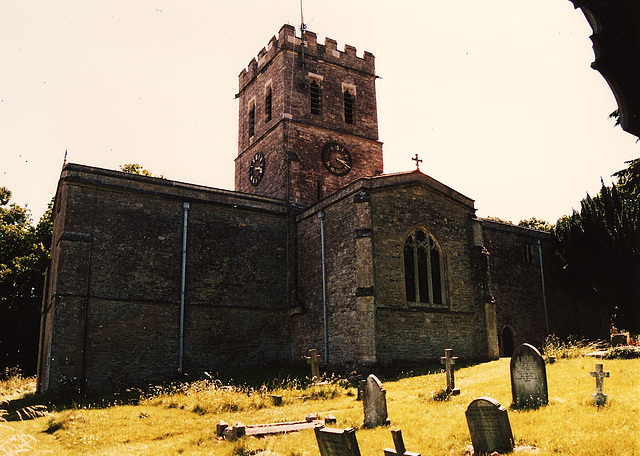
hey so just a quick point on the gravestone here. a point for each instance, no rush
(220, 427)
(314, 360)
(398, 442)
(337, 442)
(362, 384)
(374, 400)
(448, 360)
(489, 426)
(528, 378)
(232, 432)
(599, 397)
(619, 339)
(275, 399)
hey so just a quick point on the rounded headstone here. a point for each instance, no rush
(528, 377)
(489, 426)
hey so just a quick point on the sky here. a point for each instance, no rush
(497, 97)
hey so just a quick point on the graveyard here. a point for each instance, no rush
(584, 409)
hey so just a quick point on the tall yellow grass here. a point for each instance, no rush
(182, 419)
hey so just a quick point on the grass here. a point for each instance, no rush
(181, 418)
(14, 385)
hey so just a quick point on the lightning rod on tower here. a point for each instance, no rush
(303, 27)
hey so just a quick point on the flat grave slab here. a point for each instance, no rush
(263, 430)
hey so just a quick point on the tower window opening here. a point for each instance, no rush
(315, 93)
(267, 104)
(252, 120)
(349, 107)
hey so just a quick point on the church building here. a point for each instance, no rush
(316, 248)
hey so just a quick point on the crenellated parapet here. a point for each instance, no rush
(329, 52)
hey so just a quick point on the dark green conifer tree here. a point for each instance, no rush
(600, 246)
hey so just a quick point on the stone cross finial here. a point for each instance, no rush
(599, 397)
(418, 161)
(449, 361)
(314, 360)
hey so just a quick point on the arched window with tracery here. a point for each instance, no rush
(423, 268)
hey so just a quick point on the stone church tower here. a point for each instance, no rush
(316, 248)
(308, 119)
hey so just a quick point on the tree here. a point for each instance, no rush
(629, 178)
(498, 219)
(24, 257)
(535, 224)
(600, 246)
(135, 168)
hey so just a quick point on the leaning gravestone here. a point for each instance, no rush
(337, 442)
(398, 442)
(374, 400)
(528, 378)
(489, 426)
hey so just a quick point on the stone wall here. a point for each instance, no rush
(293, 139)
(370, 321)
(350, 325)
(516, 282)
(411, 337)
(410, 333)
(115, 285)
(281, 65)
(516, 285)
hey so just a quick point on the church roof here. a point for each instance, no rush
(91, 175)
(385, 181)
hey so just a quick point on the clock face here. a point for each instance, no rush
(256, 168)
(336, 158)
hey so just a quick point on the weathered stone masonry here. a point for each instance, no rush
(517, 276)
(117, 311)
(113, 313)
(293, 139)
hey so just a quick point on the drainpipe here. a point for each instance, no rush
(544, 293)
(324, 289)
(185, 208)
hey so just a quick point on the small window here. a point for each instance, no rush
(267, 104)
(527, 250)
(423, 269)
(349, 107)
(252, 120)
(315, 94)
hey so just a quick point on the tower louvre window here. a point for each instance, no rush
(252, 120)
(423, 268)
(315, 94)
(349, 107)
(267, 104)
